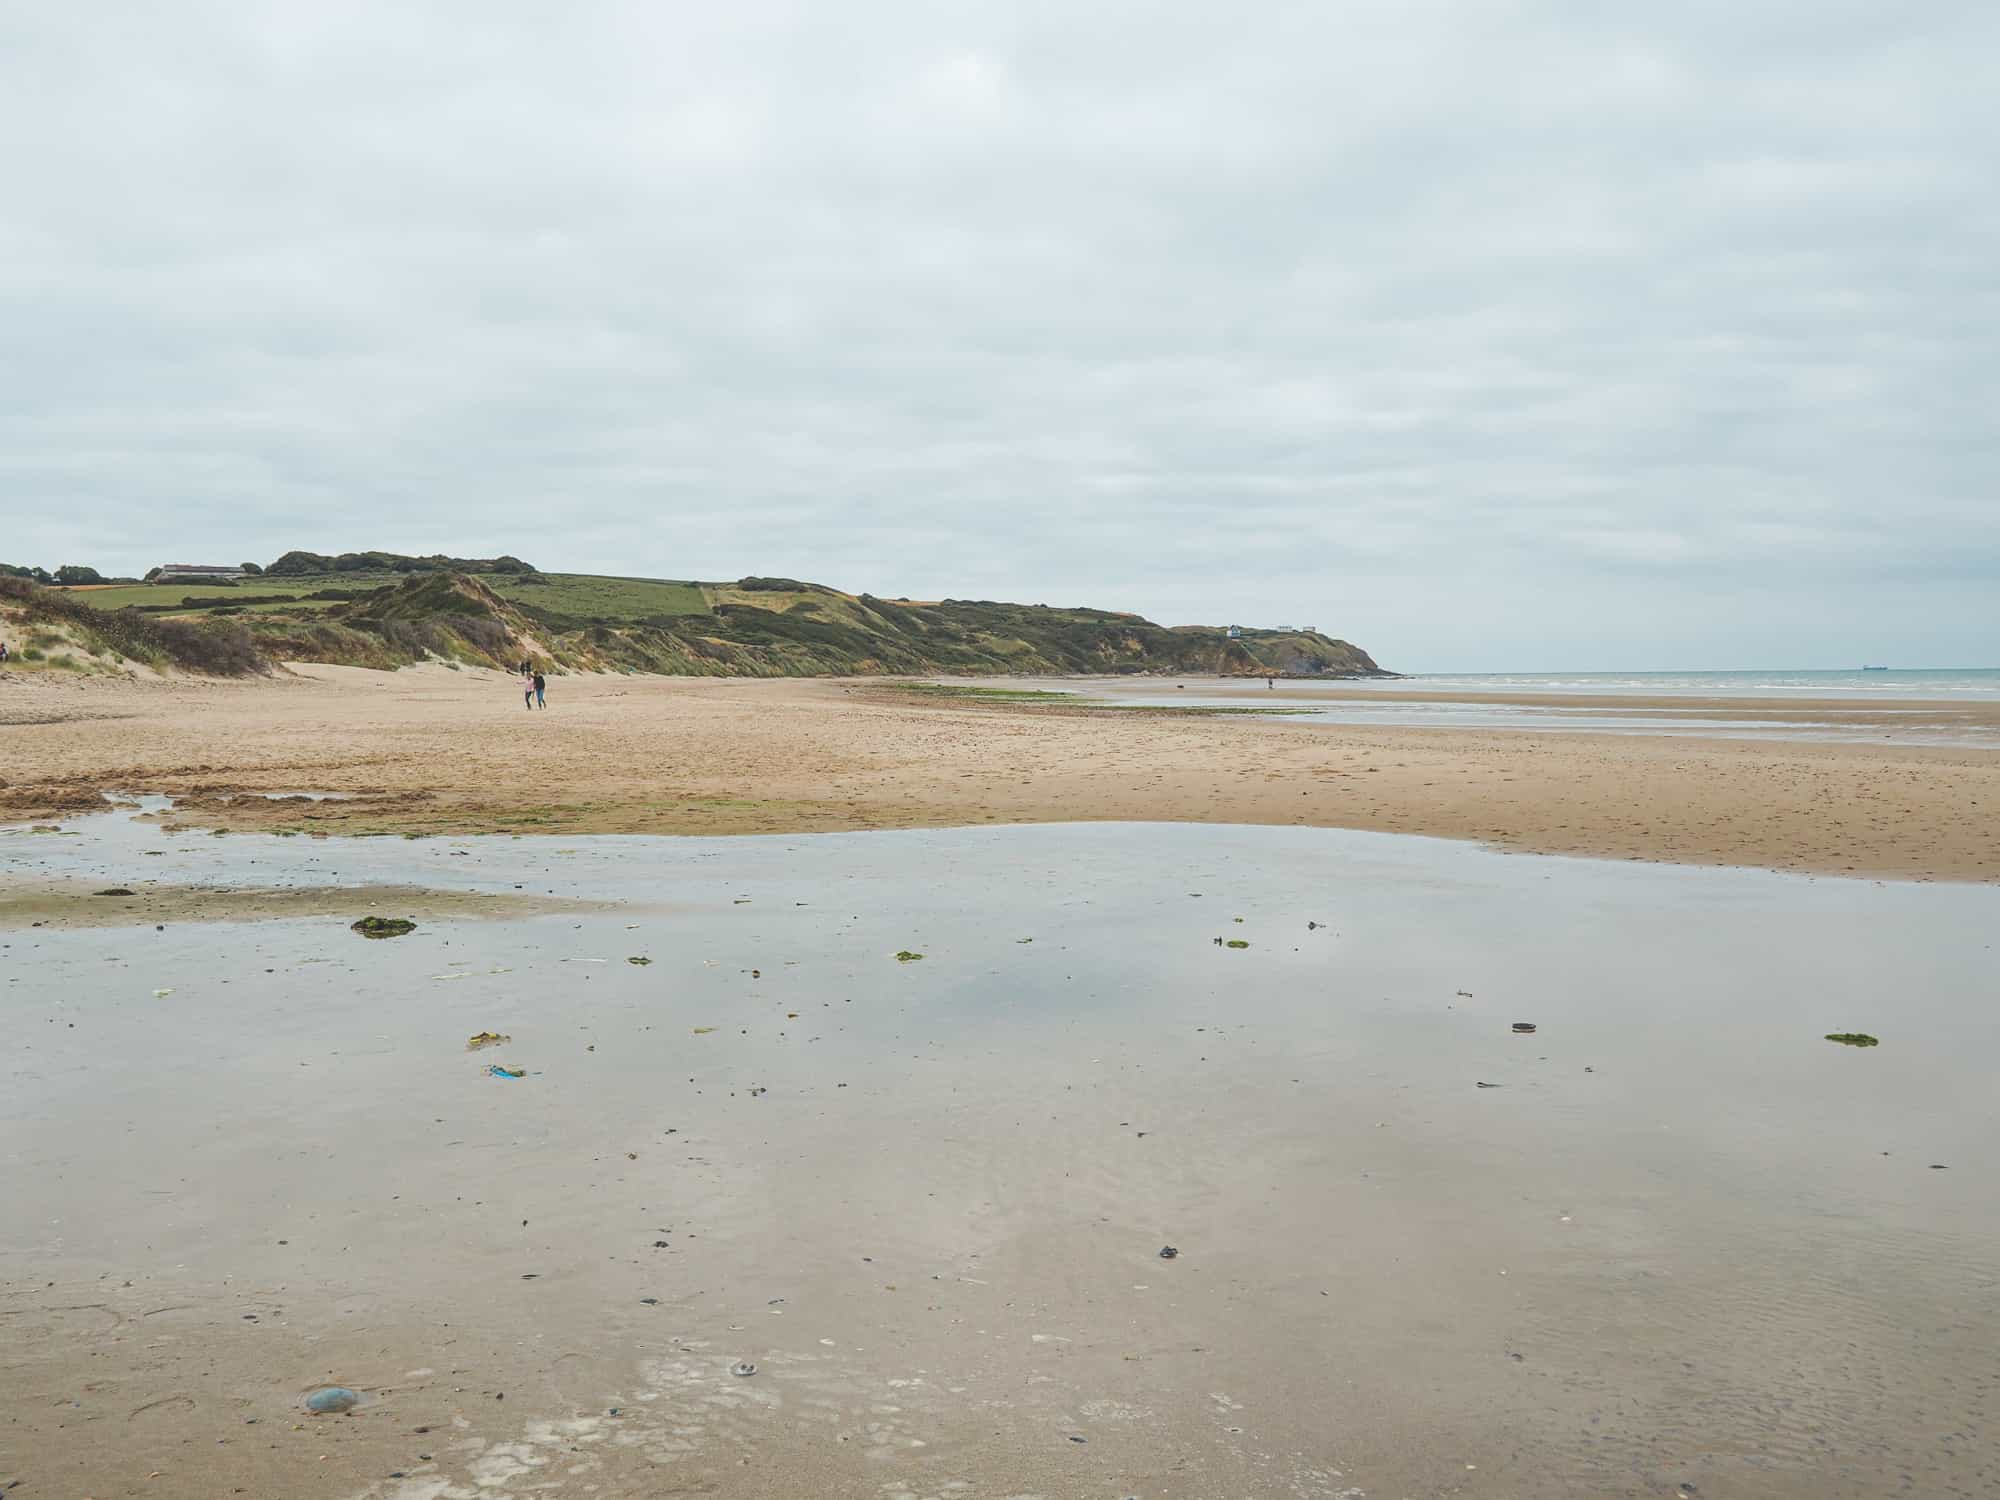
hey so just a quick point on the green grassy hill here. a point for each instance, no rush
(754, 627)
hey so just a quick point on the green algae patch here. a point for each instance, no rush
(384, 927)
(907, 957)
(980, 693)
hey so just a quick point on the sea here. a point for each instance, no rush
(1946, 684)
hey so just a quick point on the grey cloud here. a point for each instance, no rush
(1485, 334)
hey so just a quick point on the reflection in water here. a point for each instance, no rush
(1684, 1240)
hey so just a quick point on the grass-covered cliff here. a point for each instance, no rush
(755, 627)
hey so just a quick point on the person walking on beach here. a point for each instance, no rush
(527, 688)
(541, 684)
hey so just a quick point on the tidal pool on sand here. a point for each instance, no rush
(1677, 1240)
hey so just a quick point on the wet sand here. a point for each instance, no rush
(62, 904)
(1684, 1242)
(437, 752)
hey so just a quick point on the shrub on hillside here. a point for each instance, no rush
(299, 564)
(220, 648)
(482, 632)
(413, 638)
(294, 564)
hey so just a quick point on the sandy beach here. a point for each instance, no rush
(431, 751)
(840, 1136)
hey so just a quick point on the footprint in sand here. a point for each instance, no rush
(165, 1404)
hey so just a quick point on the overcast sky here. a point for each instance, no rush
(1510, 336)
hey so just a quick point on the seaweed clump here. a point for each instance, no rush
(384, 927)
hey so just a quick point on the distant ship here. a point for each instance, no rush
(1874, 669)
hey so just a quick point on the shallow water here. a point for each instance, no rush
(1941, 684)
(1333, 703)
(1684, 1241)
(1414, 714)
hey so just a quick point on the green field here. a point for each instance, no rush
(121, 595)
(573, 595)
(577, 595)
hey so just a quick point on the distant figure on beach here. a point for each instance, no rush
(527, 688)
(1269, 683)
(541, 683)
(3, 650)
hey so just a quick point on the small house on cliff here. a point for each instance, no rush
(194, 573)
